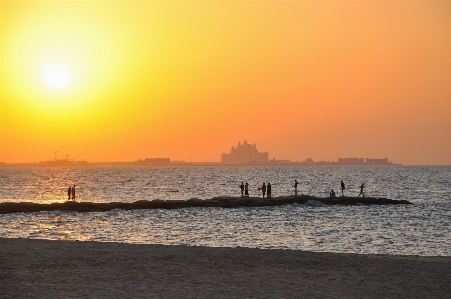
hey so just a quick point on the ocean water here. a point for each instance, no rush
(419, 229)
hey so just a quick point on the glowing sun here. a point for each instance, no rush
(56, 76)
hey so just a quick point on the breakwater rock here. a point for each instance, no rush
(222, 202)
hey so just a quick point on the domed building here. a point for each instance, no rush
(245, 154)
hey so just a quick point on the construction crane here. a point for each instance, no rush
(55, 155)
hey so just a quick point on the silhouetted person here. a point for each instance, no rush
(68, 193)
(295, 187)
(361, 190)
(343, 187)
(242, 188)
(332, 193)
(268, 190)
(73, 193)
(263, 188)
(246, 190)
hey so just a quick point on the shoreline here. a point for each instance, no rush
(31, 268)
(221, 202)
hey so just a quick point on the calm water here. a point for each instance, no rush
(422, 228)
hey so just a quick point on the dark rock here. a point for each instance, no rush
(222, 202)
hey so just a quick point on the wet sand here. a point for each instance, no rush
(62, 269)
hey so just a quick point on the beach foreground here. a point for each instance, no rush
(61, 269)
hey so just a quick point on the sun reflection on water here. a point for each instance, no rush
(422, 228)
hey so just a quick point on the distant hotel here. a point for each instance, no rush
(248, 154)
(245, 154)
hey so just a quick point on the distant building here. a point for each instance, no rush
(59, 163)
(363, 161)
(351, 161)
(309, 161)
(245, 154)
(154, 161)
(274, 161)
(383, 161)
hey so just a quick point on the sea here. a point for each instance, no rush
(422, 228)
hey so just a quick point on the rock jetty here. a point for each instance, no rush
(220, 202)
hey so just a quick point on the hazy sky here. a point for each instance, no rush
(147, 79)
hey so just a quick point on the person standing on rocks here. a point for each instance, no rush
(73, 193)
(246, 190)
(263, 188)
(268, 190)
(295, 187)
(68, 193)
(343, 187)
(361, 190)
(242, 188)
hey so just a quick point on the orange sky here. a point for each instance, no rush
(318, 79)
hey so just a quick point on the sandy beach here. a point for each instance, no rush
(60, 269)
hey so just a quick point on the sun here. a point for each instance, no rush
(56, 76)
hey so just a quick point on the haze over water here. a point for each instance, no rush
(422, 228)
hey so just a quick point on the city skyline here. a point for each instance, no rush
(241, 154)
(120, 81)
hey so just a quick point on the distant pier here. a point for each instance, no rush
(220, 202)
